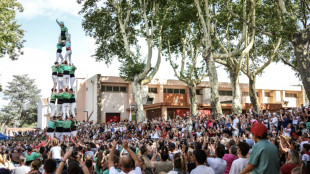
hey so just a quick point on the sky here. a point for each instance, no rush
(41, 35)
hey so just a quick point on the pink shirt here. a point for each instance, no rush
(229, 158)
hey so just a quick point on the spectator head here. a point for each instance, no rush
(220, 151)
(49, 166)
(243, 148)
(306, 147)
(171, 146)
(55, 142)
(198, 145)
(233, 150)
(29, 149)
(293, 157)
(259, 131)
(22, 160)
(89, 164)
(179, 162)
(164, 154)
(200, 156)
(126, 163)
(74, 168)
(36, 164)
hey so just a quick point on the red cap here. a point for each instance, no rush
(259, 129)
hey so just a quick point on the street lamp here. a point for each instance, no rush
(86, 115)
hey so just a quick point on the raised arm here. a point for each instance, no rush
(111, 155)
(131, 153)
(57, 22)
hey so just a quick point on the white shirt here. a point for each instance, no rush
(21, 170)
(238, 165)
(137, 170)
(217, 164)
(202, 169)
(274, 121)
(305, 158)
(287, 132)
(235, 122)
(56, 152)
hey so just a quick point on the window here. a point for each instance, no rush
(153, 90)
(225, 93)
(198, 92)
(267, 94)
(290, 95)
(245, 93)
(108, 88)
(113, 89)
(226, 102)
(122, 89)
(174, 91)
(149, 101)
(102, 88)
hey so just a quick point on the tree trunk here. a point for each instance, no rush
(253, 95)
(236, 96)
(301, 50)
(137, 97)
(192, 97)
(215, 99)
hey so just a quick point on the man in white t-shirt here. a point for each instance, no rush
(200, 158)
(274, 121)
(22, 168)
(239, 164)
(218, 164)
(126, 163)
(235, 121)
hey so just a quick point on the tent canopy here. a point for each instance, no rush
(4, 137)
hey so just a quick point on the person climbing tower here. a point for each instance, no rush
(68, 51)
(63, 31)
(58, 52)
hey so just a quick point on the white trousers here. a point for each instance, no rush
(65, 110)
(50, 134)
(59, 109)
(72, 80)
(52, 106)
(59, 55)
(72, 109)
(68, 55)
(59, 136)
(73, 133)
(66, 80)
(55, 78)
(60, 82)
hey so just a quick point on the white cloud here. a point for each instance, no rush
(49, 8)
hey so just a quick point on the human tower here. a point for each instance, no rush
(62, 124)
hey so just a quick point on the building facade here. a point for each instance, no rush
(108, 98)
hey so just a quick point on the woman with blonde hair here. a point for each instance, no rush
(55, 152)
(293, 161)
(35, 166)
(179, 166)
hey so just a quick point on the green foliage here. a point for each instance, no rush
(23, 95)
(11, 34)
(130, 68)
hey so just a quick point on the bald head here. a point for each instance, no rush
(126, 162)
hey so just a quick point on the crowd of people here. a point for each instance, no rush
(262, 142)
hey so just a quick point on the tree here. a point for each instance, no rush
(11, 34)
(191, 74)
(295, 33)
(227, 41)
(117, 27)
(23, 96)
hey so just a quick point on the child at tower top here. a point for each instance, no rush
(63, 31)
